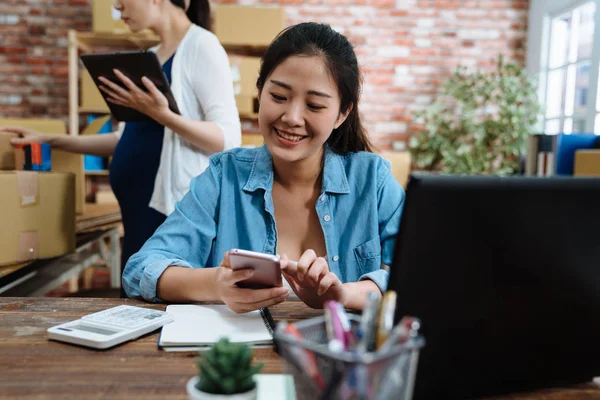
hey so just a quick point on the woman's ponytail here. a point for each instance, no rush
(198, 12)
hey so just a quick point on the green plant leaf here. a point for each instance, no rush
(479, 123)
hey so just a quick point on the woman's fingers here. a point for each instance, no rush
(288, 267)
(304, 264)
(247, 307)
(153, 90)
(329, 280)
(112, 89)
(126, 81)
(266, 302)
(24, 140)
(116, 101)
(19, 130)
(244, 300)
(231, 277)
(225, 262)
(250, 296)
(317, 271)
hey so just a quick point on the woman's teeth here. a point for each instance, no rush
(287, 136)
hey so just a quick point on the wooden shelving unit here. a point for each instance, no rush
(103, 172)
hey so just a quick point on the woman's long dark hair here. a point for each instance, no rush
(198, 12)
(313, 39)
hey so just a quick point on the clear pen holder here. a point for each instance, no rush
(347, 374)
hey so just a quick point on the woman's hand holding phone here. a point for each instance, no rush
(312, 281)
(241, 300)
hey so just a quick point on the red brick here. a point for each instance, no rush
(39, 61)
(423, 52)
(13, 50)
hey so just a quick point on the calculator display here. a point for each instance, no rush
(93, 329)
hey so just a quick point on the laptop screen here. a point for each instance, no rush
(504, 274)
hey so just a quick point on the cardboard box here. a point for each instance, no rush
(37, 214)
(400, 161)
(91, 99)
(105, 18)
(252, 139)
(106, 197)
(587, 163)
(62, 161)
(244, 71)
(247, 106)
(247, 26)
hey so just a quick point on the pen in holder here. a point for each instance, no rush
(384, 375)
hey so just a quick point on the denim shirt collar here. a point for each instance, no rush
(334, 174)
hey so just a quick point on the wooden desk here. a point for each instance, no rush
(31, 367)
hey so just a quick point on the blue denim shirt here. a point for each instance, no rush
(231, 206)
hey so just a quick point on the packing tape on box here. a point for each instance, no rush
(27, 187)
(28, 246)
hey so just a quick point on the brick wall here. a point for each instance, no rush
(405, 47)
(33, 55)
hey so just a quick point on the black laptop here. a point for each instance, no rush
(505, 275)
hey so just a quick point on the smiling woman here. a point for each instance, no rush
(314, 193)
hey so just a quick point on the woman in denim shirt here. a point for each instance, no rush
(314, 193)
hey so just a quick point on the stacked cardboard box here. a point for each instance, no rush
(245, 72)
(246, 30)
(400, 161)
(62, 161)
(37, 214)
(247, 26)
(587, 163)
(38, 208)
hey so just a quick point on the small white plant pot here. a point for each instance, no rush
(195, 394)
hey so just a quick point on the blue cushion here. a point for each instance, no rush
(566, 147)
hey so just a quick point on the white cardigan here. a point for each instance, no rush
(202, 86)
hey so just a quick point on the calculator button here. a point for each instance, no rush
(130, 317)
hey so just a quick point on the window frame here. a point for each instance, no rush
(541, 13)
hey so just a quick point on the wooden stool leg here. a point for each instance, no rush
(88, 276)
(74, 284)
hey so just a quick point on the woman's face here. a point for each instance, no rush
(137, 14)
(299, 108)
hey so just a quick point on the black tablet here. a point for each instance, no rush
(134, 65)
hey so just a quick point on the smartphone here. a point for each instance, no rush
(267, 271)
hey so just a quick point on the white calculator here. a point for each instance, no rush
(110, 327)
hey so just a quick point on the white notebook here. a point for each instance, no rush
(196, 326)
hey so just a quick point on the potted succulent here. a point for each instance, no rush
(225, 372)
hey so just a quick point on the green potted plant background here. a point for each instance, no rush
(225, 372)
(480, 122)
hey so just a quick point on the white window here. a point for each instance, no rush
(564, 53)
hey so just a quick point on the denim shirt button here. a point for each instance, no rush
(327, 218)
(335, 258)
(322, 198)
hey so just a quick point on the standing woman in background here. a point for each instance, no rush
(153, 162)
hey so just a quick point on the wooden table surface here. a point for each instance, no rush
(32, 367)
